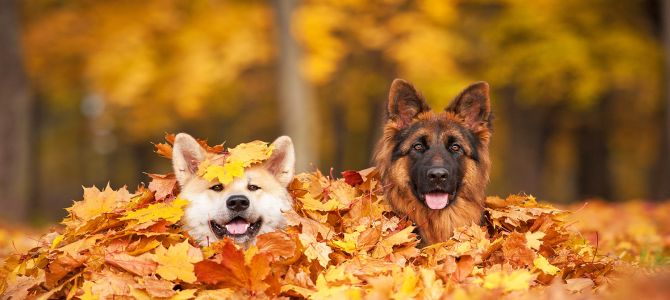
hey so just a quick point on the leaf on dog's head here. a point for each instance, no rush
(165, 149)
(224, 174)
(242, 156)
(250, 153)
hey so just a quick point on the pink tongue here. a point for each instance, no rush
(437, 200)
(237, 226)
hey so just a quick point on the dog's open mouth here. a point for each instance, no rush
(237, 227)
(438, 199)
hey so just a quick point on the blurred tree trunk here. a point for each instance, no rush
(529, 130)
(297, 108)
(593, 172)
(15, 121)
(660, 188)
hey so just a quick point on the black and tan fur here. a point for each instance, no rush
(454, 141)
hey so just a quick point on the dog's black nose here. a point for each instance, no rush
(237, 203)
(437, 174)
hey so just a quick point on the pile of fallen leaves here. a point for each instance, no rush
(342, 242)
(635, 232)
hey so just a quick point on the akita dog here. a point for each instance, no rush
(250, 205)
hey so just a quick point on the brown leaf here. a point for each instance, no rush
(516, 252)
(464, 267)
(369, 238)
(158, 287)
(61, 266)
(141, 265)
(162, 185)
(19, 286)
(277, 245)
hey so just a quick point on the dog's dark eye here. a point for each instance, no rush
(253, 187)
(217, 187)
(419, 147)
(455, 147)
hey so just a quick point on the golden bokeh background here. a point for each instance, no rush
(578, 87)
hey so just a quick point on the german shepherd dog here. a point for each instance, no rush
(435, 165)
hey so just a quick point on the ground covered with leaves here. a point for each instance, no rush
(342, 242)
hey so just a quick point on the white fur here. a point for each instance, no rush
(268, 203)
(209, 205)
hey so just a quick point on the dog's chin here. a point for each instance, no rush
(239, 229)
(438, 199)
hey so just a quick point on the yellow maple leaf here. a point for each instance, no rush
(342, 192)
(324, 291)
(250, 153)
(534, 239)
(349, 243)
(97, 202)
(311, 203)
(315, 250)
(171, 212)
(385, 247)
(87, 287)
(433, 288)
(224, 174)
(184, 294)
(408, 287)
(543, 264)
(176, 262)
(340, 273)
(518, 280)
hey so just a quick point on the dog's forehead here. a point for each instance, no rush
(437, 127)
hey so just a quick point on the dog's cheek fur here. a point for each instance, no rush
(200, 210)
(273, 207)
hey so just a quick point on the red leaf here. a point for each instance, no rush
(352, 178)
(210, 272)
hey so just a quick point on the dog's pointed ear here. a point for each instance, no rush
(405, 103)
(186, 156)
(473, 104)
(282, 161)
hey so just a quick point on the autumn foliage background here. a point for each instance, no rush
(579, 90)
